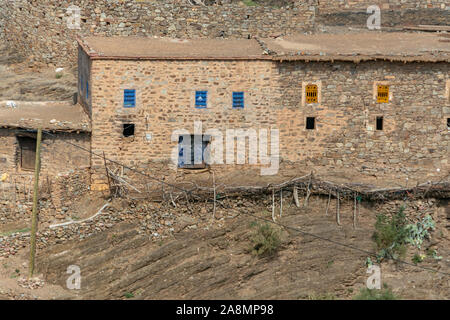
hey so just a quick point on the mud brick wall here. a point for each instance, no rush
(414, 142)
(38, 29)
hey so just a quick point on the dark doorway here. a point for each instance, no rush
(27, 150)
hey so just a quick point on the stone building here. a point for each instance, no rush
(371, 103)
(65, 124)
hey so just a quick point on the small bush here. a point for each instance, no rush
(128, 295)
(418, 258)
(58, 76)
(375, 294)
(390, 235)
(323, 296)
(265, 241)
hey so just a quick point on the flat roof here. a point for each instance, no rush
(169, 48)
(393, 46)
(371, 45)
(57, 116)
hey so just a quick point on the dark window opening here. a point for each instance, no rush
(448, 123)
(27, 154)
(379, 123)
(310, 123)
(128, 129)
(193, 151)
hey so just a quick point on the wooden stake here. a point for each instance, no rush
(297, 203)
(107, 174)
(338, 218)
(328, 204)
(37, 167)
(308, 192)
(214, 185)
(354, 214)
(273, 204)
(281, 202)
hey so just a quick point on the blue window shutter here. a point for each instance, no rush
(238, 99)
(87, 90)
(201, 99)
(129, 98)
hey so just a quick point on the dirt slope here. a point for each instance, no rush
(212, 261)
(19, 81)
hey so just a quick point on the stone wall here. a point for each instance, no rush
(394, 13)
(39, 28)
(361, 5)
(165, 102)
(56, 154)
(414, 142)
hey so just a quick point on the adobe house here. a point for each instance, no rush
(65, 123)
(371, 103)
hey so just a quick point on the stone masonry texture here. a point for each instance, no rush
(38, 29)
(415, 139)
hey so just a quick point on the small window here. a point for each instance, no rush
(382, 94)
(312, 93)
(310, 123)
(201, 98)
(379, 123)
(448, 123)
(238, 99)
(128, 129)
(27, 147)
(129, 98)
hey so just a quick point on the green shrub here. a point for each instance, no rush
(266, 240)
(58, 76)
(128, 295)
(417, 258)
(250, 3)
(375, 294)
(323, 296)
(390, 235)
(417, 233)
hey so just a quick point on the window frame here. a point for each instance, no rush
(385, 90)
(128, 104)
(238, 102)
(315, 98)
(201, 105)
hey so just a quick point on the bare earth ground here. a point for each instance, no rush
(20, 81)
(210, 259)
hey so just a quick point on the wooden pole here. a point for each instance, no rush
(37, 167)
(338, 218)
(273, 204)
(107, 174)
(215, 196)
(297, 203)
(281, 202)
(354, 213)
